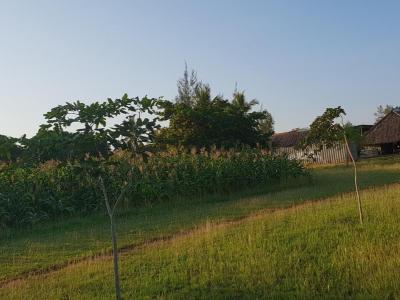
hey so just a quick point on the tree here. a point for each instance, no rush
(353, 134)
(324, 131)
(49, 144)
(94, 141)
(187, 87)
(239, 101)
(134, 134)
(205, 121)
(10, 150)
(383, 111)
(266, 124)
(213, 122)
(111, 208)
(113, 188)
(92, 134)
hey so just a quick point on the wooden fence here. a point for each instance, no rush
(336, 154)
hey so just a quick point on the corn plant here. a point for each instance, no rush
(53, 190)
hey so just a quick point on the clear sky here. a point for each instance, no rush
(295, 57)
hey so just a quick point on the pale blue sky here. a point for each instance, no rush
(296, 57)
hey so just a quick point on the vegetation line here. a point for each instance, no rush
(168, 237)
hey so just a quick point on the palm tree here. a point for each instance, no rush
(240, 102)
(202, 94)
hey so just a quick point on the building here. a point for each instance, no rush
(288, 139)
(385, 134)
(288, 142)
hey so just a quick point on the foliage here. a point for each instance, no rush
(353, 134)
(383, 111)
(61, 146)
(187, 87)
(10, 150)
(214, 121)
(77, 130)
(51, 190)
(324, 131)
(197, 119)
(54, 173)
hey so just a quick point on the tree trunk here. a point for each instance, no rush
(360, 212)
(111, 212)
(115, 258)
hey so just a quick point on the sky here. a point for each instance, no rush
(295, 57)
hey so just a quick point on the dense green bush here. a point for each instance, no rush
(34, 194)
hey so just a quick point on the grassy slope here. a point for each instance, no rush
(316, 250)
(56, 243)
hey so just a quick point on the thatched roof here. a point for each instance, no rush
(387, 130)
(288, 139)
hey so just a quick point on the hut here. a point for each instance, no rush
(288, 139)
(385, 134)
(288, 142)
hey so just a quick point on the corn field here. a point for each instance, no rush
(35, 194)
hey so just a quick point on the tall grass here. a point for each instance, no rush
(314, 251)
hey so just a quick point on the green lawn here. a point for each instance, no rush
(52, 244)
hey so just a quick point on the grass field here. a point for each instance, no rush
(306, 251)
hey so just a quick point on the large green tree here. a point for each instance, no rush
(205, 121)
(77, 130)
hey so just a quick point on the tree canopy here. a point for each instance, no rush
(324, 131)
(200, 120)
(10, 150)
(76, 130)
(208, 121)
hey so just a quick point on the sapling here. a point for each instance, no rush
(111, 207)
(325, 132)
(346, 142)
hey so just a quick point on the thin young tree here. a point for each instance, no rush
(326, 132)
(346, 142)
(134, 135)
(111, 208)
